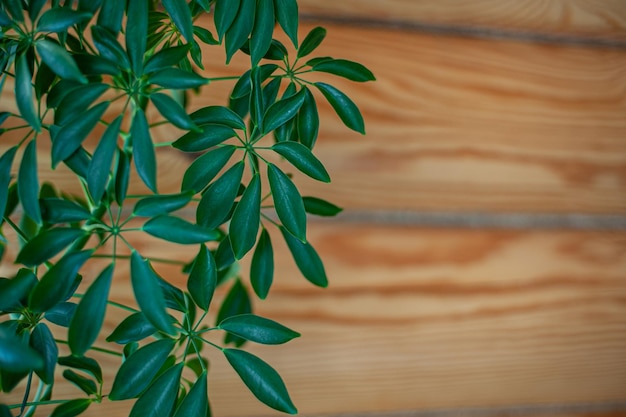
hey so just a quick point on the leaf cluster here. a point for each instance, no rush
(80, 79)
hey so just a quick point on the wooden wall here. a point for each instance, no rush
(479, 268)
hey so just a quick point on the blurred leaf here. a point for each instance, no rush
(16, 356)
(100, 165)
(143, 150)
(236, 302)
(166, 58)
(225, 13)
(181, 16)
(203, 279)
(59, 60)
(14, 291)
(258, 329)
(176, 78)
(218, 115)
(196, 402)
(42, 341)
(24, 96)
(137, 33)
(111, 15)
(83, 363)
(109, 47)
(87, 385)
(6, 161)
(47, 244)
(59, 19)
(61, 314)
(244, 225)
(57, 210)
(73, 103)
(71, 408)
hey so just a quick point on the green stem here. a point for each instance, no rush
(95, 348)
(38, 403)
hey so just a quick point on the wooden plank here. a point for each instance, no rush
(419, 319)
(604, 19)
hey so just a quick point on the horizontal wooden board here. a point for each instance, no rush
(580, 18)
(420, 318)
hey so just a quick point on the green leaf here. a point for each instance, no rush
(57, 210)
(54, 286)
(257, 105)
(59, 19)
(24, 96)
(161, 204)
(59, 60)
(166, 57)
(237, 302)
(177, 230)
(262, 380)
(42, 341)
(225, 13)
(307, 260)
(196, 402)
(308, 121)
(14, 291)
(312, 41)
(203, 279)
(177, 79)
(133, 328)
(181, 16)
(344, 68)
(16, 356)
(96, 65)
(282, 111)
(244, 226)
(288, 202)
(83, 363)
(61, 314)
(258, 329)
(287, 16)
(137, 33)
(70, 137)
(219, 115)
(28, 183)
(71, 408)
(122, 177)
(109, 47)
(218, 199)
(345, 108)
(89, 316)
(262, 266)
(111, 15)
(159, 399)
(6, 161)
(76, 101)
(302, 158)
(261, 37)
(100, 166)
(172, 111)
(88, 386)
(238, 32)
(205, 35)
(47, 244)
(149, 294)
(206, 167)
(138, 371)
(143, 150)
(320, 207)
(14, 8)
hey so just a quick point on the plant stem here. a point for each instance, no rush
(95, 348)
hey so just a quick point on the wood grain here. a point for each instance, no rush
(604, 19)
(434, 318)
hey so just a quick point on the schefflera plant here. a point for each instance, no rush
(64, 63)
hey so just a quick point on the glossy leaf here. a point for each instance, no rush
(302, 158)
(238, 32)
(166, 57)
(122, 177)
(83, 363)
(261, 37)
(181, 16)
(99, 169)
(219, 115)
(262, 266)
(244, 225)
(55, 284)
(313, 39)
(148, 293)
(262, 380)
(196, 402)
(15, 290)
(159, 399)
(225, 13)
(346, 69)
(6, 161)
(206, 167)
(61, 314)
(143, 150)
(218, 199)
(76, 101)
(319, 207)
(257, 104)
(59, 60)
(71, 408)
(16, 356)
(28, 183)
(345, 108)
(282, 111)
(133, 328)
(172, 111)
(111, 15)
(287, 16)
(203, 279)
(237, 302)
(109, 47)
(87, 385)
(177, 230)
(137, 33)
(70, 137)
(24, 96)
(307, 260)
(258, 329)
(47, 244)
(161, 204)
(177, 79)
(208, 136)
(59, 19)
(89, 316)
(287, 202)
(308, 121)
(42, 341)
(138, 371)
(58, 210)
